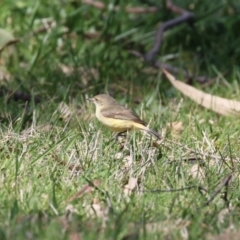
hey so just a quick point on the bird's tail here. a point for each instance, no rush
(149, 130)
(156, 134)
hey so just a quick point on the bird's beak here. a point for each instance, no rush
(89, 99)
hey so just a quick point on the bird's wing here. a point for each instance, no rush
(123, 113)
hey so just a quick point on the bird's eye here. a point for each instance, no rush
(96, 99)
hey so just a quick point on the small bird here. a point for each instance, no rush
(117, 117)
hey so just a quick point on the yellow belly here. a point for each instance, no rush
(118, 125)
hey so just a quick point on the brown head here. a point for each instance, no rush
(102, 100)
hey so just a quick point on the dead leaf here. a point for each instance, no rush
(70, 209)
(217, 104)
(99, 210)
(85, 73)
(175, 127)
(75, 236)
(118, 155)
(197, 172)
(223, 214)
(65, 111)
(128, 161)
(6, 39)
(67, 70)
(85, 190)
(132, 183)
(66, 220)
(4, 74)
(7, 50)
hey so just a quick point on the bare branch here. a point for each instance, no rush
(176, 70)
(185, 17)
(224, 183)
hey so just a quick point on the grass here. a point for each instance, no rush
(62, 175)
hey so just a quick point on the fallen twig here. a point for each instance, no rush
(224, 183)
(200, 188)
(85, 190)
(11, 42)
(193, 150)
